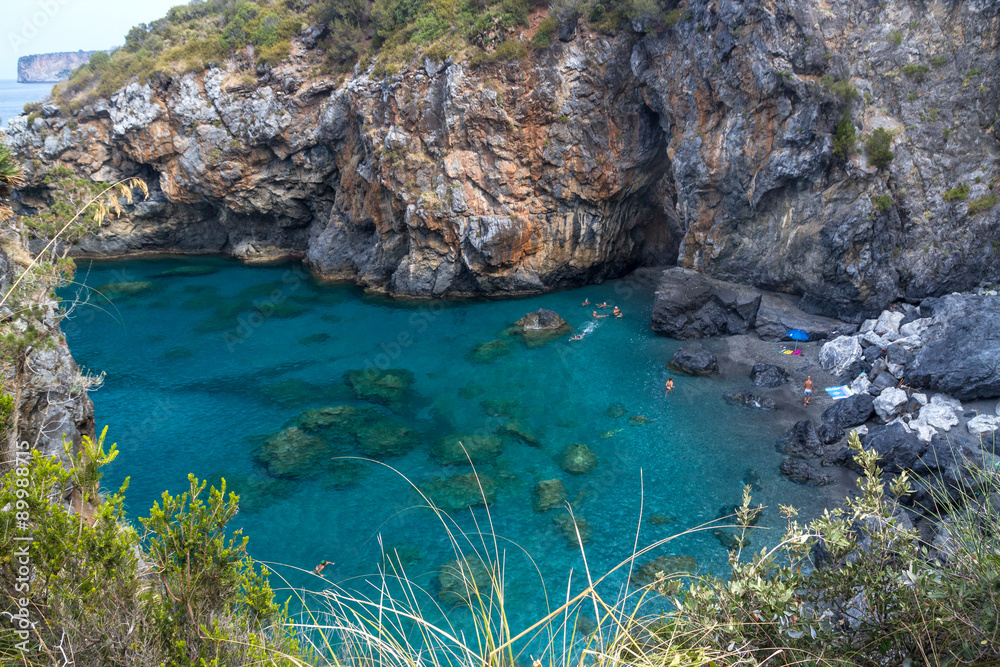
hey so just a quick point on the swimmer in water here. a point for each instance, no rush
(586, 302)
(318, 570)
(577, 337)
(670, 386)
(603, 305)
(618, 311)
(598, 316)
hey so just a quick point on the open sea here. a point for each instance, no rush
(14, 95)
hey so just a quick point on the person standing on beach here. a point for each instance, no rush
(808, 389)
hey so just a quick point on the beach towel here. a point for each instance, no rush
(839, 393)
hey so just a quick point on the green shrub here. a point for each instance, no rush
(845, 136)
(939, 61)
(916, 71)
(842, 88)
(546, 33)
(882, 202)
(895, 37)
(878, 148)
(982, 204)
(957, 193)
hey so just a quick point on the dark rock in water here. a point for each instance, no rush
(398, 557)
(372, 432)
(801, 472)
(549, 494)
(694, 359)
(802, 441)
(314, 339)
(752, 479)
(585, 625)
(487, 353)
(121, 290)
(293, 453)
(387, 387)
(639, 420)
(729, 539)
(340, 473)
(179, 353)
(851, 411)
(577, 459)
(187, 271)
(691, 305)
(462, 581)
(471, 391)
(516, 430)
(780, 313)
(461, 492)
(500, 407)
(616, 410)
(961, 353)
(465, 449)
(540, 327)
(661, 520)
(898, 450)
(768, 375)
(576, 530)
(664, 566)
(748, 400)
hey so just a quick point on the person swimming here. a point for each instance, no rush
(586, 302)
(318, 570)
(598, 316)
(603, 305)
(618, 311)
(577, 337)
(670, 386)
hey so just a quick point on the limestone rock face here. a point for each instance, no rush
(706, 146)
(50, 67)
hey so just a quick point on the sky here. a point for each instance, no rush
(46, 26)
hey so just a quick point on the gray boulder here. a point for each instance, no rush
(963, 359)
(768, 375)
(839, 354)
(851, 411)
(690, 305)
(801, 472)
(694, 359)
(802, 441)
(898, 449)
(779, 313)
(891, 403)
(749, 400)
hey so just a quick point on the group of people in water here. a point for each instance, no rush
(616, 312)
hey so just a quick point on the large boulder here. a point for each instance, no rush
(750, 400)
(851, 411)
(961, 352)
(891, 403)
(837, 356)
(983, 426)
(801, 472)
(768, 375)
(802, 440)
(540, 327)
(694, 359)
(779, 313)
(898, 448)
(690, 305)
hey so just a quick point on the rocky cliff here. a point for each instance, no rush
(50, 67)
(709, 145)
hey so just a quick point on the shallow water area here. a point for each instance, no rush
(211, 364)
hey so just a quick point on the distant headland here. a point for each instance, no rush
(50, 67)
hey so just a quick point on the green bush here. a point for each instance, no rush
(982, 204)
(957, 193)
(939, 61)
(878, 148)
(895, 37)
(882, 202)
(546, 33)
(916, 71)
(845, 136)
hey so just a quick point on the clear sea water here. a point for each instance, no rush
(14, 95)
(196, 380)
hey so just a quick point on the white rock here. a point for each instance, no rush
(998, 409)
(925, 432)
(867, 325)
(896, 370)
(891, 403)
(862, 430)
(920, 398)
(981, 425)
(837, 356)
(872, 339)
(948, 402)
(938, 416)
(861, 384)
(888, 322)
(911, 343)
(915, 328)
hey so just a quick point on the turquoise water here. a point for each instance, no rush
(197, 380)
(14, 95)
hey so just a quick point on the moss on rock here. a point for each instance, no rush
(577, 459)
(487, 353)
(461, 491)
(549, 494)
(458, 449)
(387, 387)
(294, 453)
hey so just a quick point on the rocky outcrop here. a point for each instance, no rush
(694, 359)
(707, 145)
(50, 67)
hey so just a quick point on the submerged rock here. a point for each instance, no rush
(387, 387)
(694, 359)
(314, 339)
(662, 567)
(577, 459)
(187, 271)
(487, 353)
(749, 400)
(120, 290)
(500, 407)
(576, 530)
(397, 557)
(661, 520)
(549, 494)
(616, 410)
(730, 540)
(460, 492)
(293, 453)
(458, 449)
(372, 432)
(517, 431)
(639, 420)
(462, 581)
